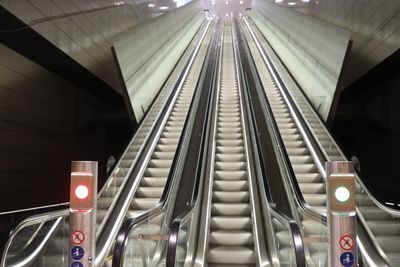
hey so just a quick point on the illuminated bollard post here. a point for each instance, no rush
(82, 214)
(341, 214)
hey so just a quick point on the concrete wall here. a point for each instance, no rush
(374, 27)
(312, 50)
(83, 29)
(148, 52)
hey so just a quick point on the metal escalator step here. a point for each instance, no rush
(313, 228)
(382, 227)
(294, 144)
(231, 196)
(230, 166)
(229, 143)
(144, 203)
(293, 151)
(312, 188)
(284, 120)
(150, 192)
(134, 213)
(100, 213)
(308, 177)
(231, 222)
(389, 243)
(168, 141)
(163, 155)
(315, 199)
(374, 213)
(394, 258)
(166, 148)
(230, 157)
(174, 135)
(305, 168)
(287, 125)
(103, 203)
(160, 163)
(229, 119)
(302, 159)
(230, 209)
(230, 150)
(231, 255)
(284, 238)
(231, 237)
(157, 172)
(228, 130)
(229, 136)
(151, 181)
(229, 124)
(233, 185)
(230, 175)
(291, 137)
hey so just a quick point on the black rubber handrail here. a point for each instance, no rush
(130, 224)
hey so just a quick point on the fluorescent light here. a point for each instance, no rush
(292, 3)
(227, 15)
(278, 1)
(163, 7)
(305, 1)
(227, 2)
(241, 2)
(213, 3)
(151, 5)
(240, 14)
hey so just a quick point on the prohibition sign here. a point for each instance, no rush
(78, 237)
(346, 242)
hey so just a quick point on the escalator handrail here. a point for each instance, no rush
(40, 218)
(132, 223)
(173, 237)
(285, 220)
(306, 209)
(296, 235)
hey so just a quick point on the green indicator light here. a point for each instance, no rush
(342, 194)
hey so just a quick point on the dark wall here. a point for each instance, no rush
(368, 126)
(45, 122)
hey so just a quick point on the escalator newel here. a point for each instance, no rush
(342, 218)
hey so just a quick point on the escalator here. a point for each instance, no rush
(308, 145)
(231, 236)
(135, 184)
(226, 223)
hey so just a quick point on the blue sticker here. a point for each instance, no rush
(76, 264)
(347, 259)
(77, 253)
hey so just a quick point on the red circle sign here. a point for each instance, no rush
(346, 242)
(78, 237)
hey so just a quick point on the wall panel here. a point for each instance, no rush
(38, 134)
(374, 27)
(311, 49)
(147, 53)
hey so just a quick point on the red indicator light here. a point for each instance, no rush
(81, 191)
